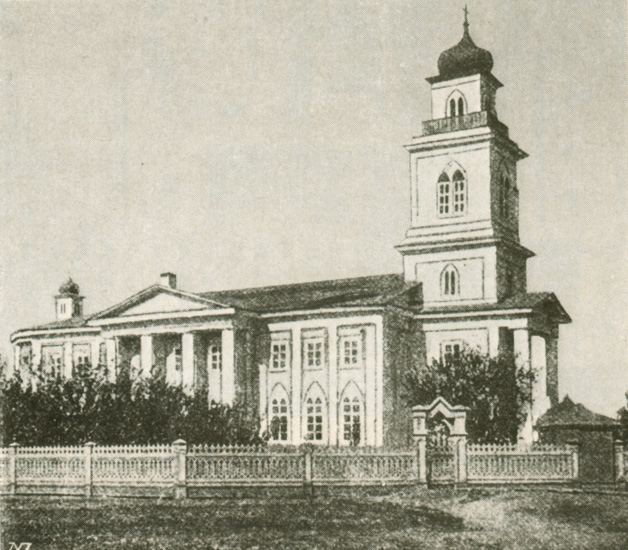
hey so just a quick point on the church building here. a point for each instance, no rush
(323, 362)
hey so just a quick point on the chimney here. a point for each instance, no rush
(168, 279)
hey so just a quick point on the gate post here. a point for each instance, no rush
(419, 434)
(88, 450)
(13, 468)
(180, 454)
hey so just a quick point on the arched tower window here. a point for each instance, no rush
(352, 416)
(278, 414)
(452, 192)
(456, 104)
(444, 191)
(450, 281)
(459, 192)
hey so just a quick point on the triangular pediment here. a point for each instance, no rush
(159, 300)
(164, 303)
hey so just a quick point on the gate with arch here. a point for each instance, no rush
(440, 432)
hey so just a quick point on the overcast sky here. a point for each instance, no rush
(251, 143)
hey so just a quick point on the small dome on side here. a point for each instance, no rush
(69, 288)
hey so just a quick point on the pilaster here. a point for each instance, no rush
(333, 385)
(228, 366)
(370, 412)
(296, 387)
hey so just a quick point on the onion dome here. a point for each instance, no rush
(464, 59)
(69, 287)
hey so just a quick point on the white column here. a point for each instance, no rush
(187, 362)
(493, 341)
(370, 412)
(112, 359)
(295, 425)
(146, 355)
(333, 385)
(15, 367)
(94, 353)
(67, 359)
(263, 397)
(228, 366)
(379, 384)
(522, 354)
(540, 400)
(37, 366)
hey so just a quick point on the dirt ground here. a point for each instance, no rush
(403, 519)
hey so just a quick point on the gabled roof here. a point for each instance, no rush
(75, 322)
(545, 302)
(570, 414)
(150, 293)
(375, 290)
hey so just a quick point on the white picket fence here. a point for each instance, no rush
(180, 470)
(512, 464)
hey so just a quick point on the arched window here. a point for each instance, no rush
(278, 414)
(315, 415)
(459, 192)
(452, 192)
(450, 281)
(352, 416)
(444, 191)
(456, 104)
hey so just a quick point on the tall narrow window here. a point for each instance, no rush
(452, 108)
(279, 419)
(460, 106)
(313, 354)
(450, 281)
(452, 192)
(314, 417)
(215, 356)
(443, 194)
(352, 420)
(459, 192)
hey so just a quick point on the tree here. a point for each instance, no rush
(493, 388)
(60, 411)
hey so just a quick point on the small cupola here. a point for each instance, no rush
(69, 302)
(464, 59)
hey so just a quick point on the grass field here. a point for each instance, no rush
(405, 519)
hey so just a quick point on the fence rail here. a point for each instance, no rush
(510, 464)
(179, 470)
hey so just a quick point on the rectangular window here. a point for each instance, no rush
(351, 351)
(313, 354)
(280, 352)
(215, 356)
(314, 417)
(450, 350)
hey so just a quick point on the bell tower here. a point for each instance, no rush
(463, 241)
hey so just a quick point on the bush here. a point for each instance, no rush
(494, 390)
(59, 411)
